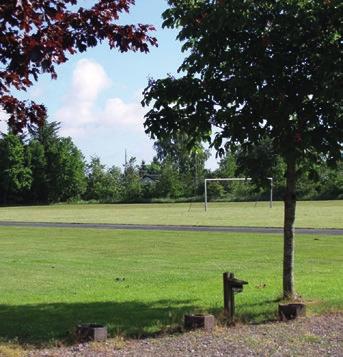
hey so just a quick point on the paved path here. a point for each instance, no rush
(321, 231)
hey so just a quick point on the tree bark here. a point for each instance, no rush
(289, 218)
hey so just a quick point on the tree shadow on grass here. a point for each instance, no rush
(46, 324)
(252, 313)
(260, 312)
(43, 324)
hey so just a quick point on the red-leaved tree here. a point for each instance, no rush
(36, 35)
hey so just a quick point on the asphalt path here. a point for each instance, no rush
(274, 230)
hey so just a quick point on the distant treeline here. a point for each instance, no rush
(41, 167)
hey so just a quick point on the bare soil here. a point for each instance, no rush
(311, 336)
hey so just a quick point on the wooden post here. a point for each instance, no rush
(231, 285)
(229, 297)
(231, 300)
(226, 293)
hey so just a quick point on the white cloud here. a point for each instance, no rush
(89, 80)
(117, 112)
(101, 126)
(81, 116)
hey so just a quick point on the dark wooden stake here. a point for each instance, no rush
(226, 293)
(229, 297)
(232, 300)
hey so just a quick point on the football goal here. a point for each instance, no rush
(245, 179)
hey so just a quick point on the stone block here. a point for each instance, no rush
(206, 322)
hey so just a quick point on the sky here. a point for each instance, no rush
(97, 94)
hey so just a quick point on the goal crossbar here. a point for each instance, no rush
(238, 179)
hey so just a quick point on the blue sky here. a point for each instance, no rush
(97, 94)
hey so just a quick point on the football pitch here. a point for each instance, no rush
(310, 214)
(142, 282)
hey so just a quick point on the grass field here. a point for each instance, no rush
(310, 214)
(139, 283)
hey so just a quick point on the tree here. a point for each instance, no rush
(189, 163)
(37, 35)
(38, 163)
(57, 165)
(331, 182)
(149, 175)
(227, 166)
(103, 185)
(66, 167)
(215, 190)
(15, 177)
(169, 183)
(257, 69)
(131, 181)
(42, 140)
(259, 161)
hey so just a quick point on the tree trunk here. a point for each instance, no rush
(288, 252)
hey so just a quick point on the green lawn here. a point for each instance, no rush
(316, 214)
(142, 282)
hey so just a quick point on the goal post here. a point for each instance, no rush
(246, 179)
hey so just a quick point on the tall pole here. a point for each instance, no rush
(125, 165)
(271, 193)
(205, 195)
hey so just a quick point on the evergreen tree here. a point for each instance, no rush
(57, 165)
(15, 177)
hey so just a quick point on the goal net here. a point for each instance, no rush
(244, 179)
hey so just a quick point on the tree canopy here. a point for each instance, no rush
(35, 36)
(256, 69)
